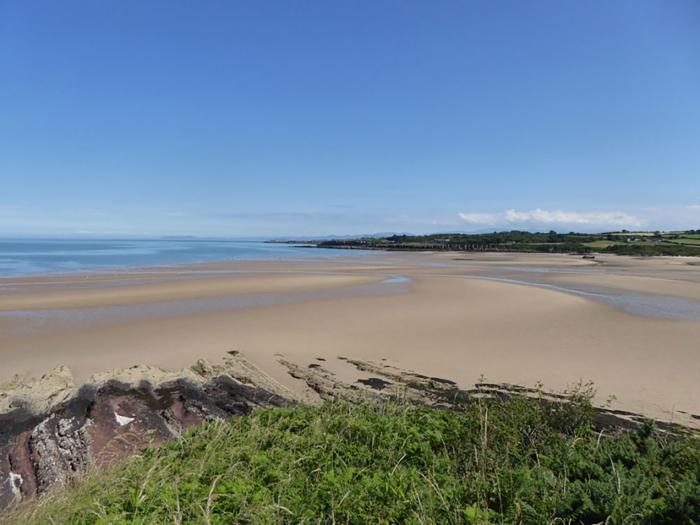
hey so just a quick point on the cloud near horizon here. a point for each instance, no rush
(305, 223)
(540, 218)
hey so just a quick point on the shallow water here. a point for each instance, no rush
(650, 305)
(37, 257)
(79, 317)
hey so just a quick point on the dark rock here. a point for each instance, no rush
(375, 382)
(101, 423)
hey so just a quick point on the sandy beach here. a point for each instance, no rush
(632, 326)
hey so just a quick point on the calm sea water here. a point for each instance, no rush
(35, 257)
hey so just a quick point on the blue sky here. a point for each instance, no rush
(311, 118)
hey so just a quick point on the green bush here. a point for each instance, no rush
(499, 461)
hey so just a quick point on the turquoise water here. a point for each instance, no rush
(37, 257)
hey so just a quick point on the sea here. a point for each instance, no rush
(21, 257)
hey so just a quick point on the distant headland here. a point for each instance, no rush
(624, 242)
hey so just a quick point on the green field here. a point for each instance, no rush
(602, 244)
(513, 461)
(686, 240)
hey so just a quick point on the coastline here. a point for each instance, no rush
(431, 320)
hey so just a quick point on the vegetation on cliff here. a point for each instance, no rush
(513, 460)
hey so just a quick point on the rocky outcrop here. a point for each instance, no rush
(386, 382)
(51, 429)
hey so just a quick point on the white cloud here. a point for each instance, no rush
(539, 218)
(595, 218)
(479, 219)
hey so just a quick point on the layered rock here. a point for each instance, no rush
(52, 429)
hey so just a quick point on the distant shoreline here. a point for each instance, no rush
(682, 243)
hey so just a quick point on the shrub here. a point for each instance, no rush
(496, 461)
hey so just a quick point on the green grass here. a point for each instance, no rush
(599, 244)
(513, 461)
(686, 240)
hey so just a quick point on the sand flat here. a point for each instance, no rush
(433, 320)
(69, 296)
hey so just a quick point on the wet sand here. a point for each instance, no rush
(518, 319)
